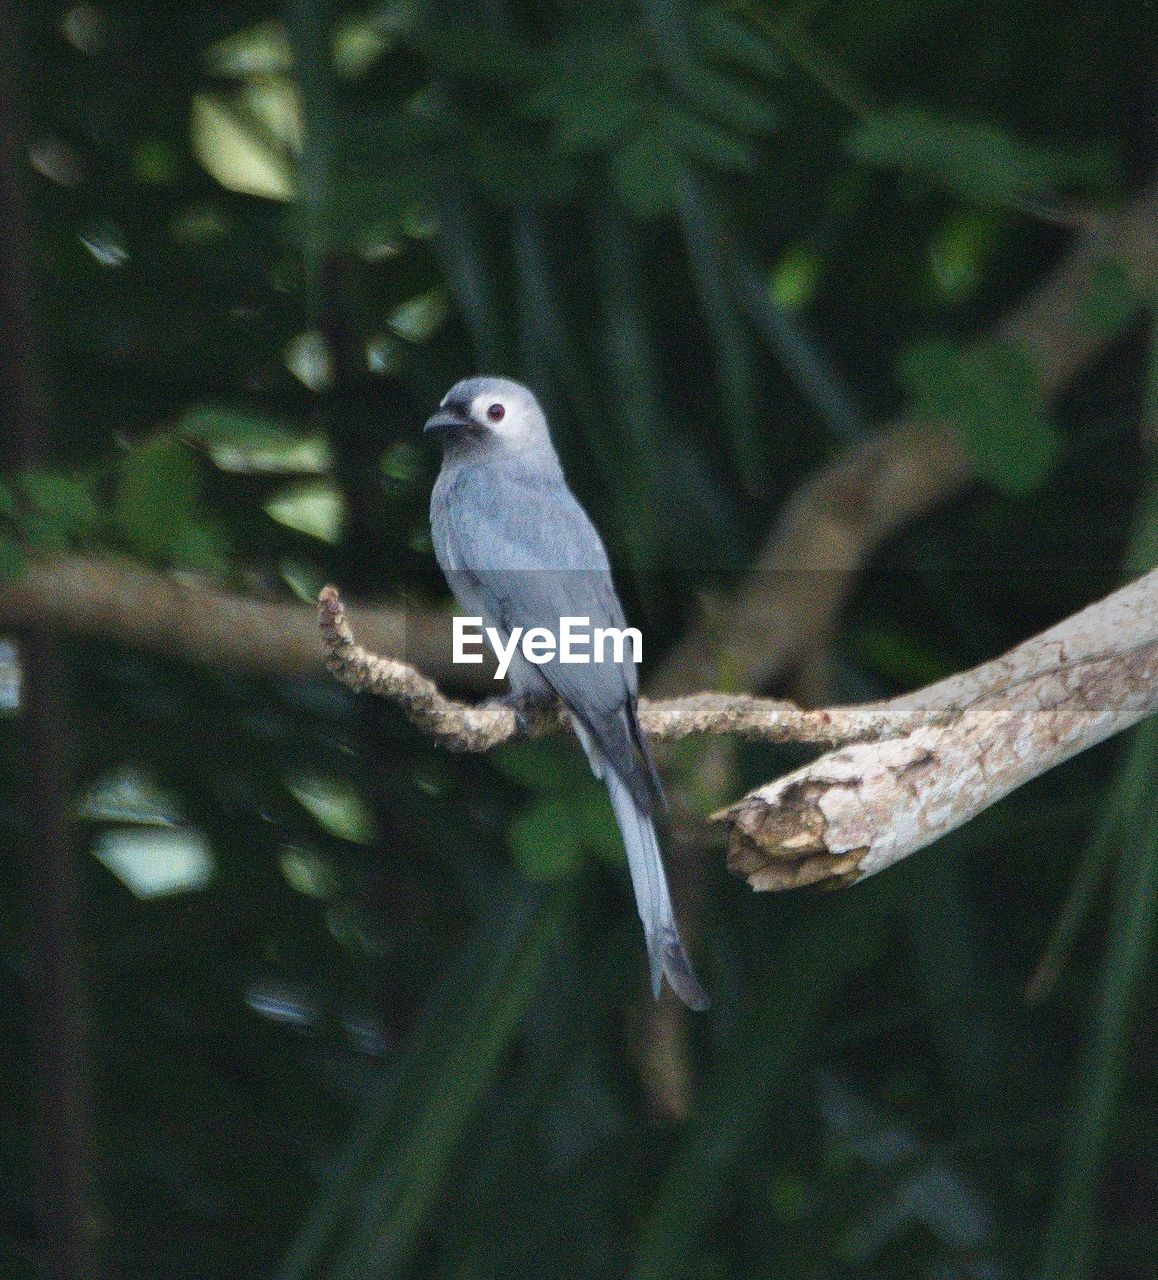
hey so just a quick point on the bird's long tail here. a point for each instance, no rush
(665, 952)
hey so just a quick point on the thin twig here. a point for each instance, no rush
(464, 726)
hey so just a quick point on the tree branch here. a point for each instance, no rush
(867, 805)
(188, 618)
(462, 726)
(909, 769)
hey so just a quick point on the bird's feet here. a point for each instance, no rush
(528, 707)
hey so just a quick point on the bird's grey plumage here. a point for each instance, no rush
(519, 551)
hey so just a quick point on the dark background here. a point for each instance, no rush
(387, 1014)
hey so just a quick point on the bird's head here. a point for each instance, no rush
(491, 413)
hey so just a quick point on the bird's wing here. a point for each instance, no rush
(525, 548)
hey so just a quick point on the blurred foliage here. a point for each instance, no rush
(361, 1008)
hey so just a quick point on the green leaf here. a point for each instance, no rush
(545, 841)
(792, 281)
(959, 252)
(594, 822)
(370, 1213)
(59, 509)
(419, 318)
(978, 161)
(202, 546)
(647, 174)
(241, 441)
(543, 767)
(12, 562)
(708, 142)
(314, 507)
(1110, 300)
(476, 51)
(595, 92)
(336, 806)
(236, 148)
(725, 99)
(157, 495)
(989, 391)
(721, 35)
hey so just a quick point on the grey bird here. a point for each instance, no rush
(519, 551)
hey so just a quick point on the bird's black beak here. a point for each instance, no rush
(449, 418)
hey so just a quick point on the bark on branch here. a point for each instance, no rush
(863, 807)
(908, 770)
(462, 726)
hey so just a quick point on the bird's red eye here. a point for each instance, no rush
(496, 413)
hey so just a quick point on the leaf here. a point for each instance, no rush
(723, 98)
(260, 50)
(12, 562)
(419, 318)
(1110, 299)
(157, 495)
(475, 51)
(542, 767)
(314, 507)
(202, 546)
(235, 149)
(990, 392)
(959, 252)
(707, 142)
(594, 821)
(647, 174)
(721, 35)
(336, 806)
(358, 44)
(370, 1212)
(545, 842)
(595, 92)
(978, 161)
(240, 441)
(59, 509)
(792, 281)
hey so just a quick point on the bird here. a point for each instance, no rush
(518, 550)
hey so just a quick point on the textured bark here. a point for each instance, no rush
(463, 726)
(867, 805)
